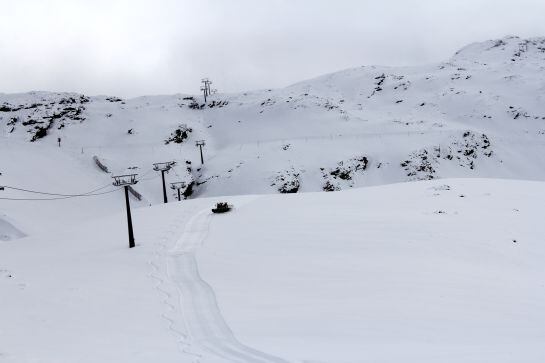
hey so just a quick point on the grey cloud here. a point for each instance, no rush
(130, 48)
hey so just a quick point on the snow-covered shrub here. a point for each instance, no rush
(330, 187)
(186, 176)
(13, 120)
(219, 104)
(287, 181)
(188, 190)
(423, 164)
(114, 99)
(38, 116)
(179, 135)
(343, 173)
(6, 107)
(419, 166)
(194, 105)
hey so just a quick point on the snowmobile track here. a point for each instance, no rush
(207, 329)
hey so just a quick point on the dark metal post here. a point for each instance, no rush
(163, 168)
(126, 181)
(164, 187)
(200, 144)
(129, 218)
(178, 186)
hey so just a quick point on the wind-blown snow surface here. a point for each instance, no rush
(436, 271)
(480, 114)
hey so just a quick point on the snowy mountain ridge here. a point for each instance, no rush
(480, 114)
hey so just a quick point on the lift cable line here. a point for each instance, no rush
(146, 173)
(148, 179)
(125, 181)
(63, 197)
(56, 194)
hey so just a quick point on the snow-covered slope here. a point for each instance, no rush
(443, 270)
(480, 114)
(435, 271)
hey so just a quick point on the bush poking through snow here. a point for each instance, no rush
(344, 171)
(188, 191)
(422, 164)
(114, 99)
(219, 104)
(287, 181)
(40, 117)
(194, 105)
(419, 165)
(330, 187)
(179, 135)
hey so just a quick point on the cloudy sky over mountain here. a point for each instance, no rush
(137, 47)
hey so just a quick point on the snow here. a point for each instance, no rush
(430, 249)
(80, 295)
(9, 232)
(408, 271)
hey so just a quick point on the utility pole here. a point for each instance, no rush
(200, 144)
(178, 186)
(164, 168)
(125, 181)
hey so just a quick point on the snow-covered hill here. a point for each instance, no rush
(439, 271)
(430, 268)
(486, 99)
(480, 114)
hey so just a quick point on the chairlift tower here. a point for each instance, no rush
(164, 168)
(125, 181)
(200, 144)
(178, 186)
(206, 87)
(203, 88)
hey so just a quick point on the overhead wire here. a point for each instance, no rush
(146, 173)
(63, 197)
(57, 194)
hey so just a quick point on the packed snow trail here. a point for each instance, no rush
(206, 326)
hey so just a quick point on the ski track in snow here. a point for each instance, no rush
(206, 328)
(161, 285)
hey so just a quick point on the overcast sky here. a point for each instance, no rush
(129, 48)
